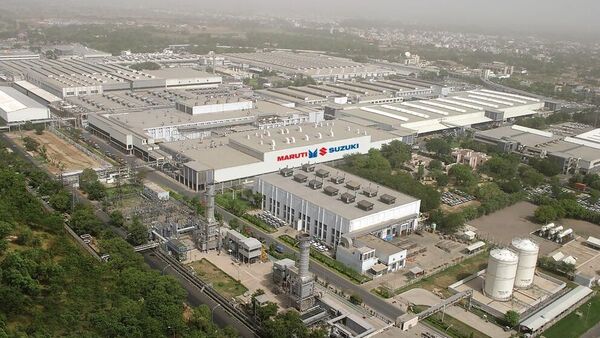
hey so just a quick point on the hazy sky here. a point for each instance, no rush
(581, 16)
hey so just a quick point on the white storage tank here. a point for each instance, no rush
(527, 251)
(500, 274)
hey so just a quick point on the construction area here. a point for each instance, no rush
(62, 156)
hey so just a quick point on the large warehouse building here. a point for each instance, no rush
(139, 131)
(361, 92)
(459, 110)
(15, 107)
(328, 204)
(72, 77)
(318, 66)
(248, 154)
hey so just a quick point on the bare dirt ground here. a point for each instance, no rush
(504, 225)
(61, 155)
(514, 221)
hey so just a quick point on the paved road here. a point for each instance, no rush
(594, 332)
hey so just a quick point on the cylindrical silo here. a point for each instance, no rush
(500, 274)
(527, 250)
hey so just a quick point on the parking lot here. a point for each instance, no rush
(456, 198)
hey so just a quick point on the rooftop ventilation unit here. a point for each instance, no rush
(286, 172)
(353, 185)
(370, 192)
(338, 179)
(308, 167)
(347, 198)
(365, 205)
(322, 173)
(331, 191)
(314, 184)
(300, 178)
(387, 199)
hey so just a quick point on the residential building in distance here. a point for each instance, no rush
(469, 157)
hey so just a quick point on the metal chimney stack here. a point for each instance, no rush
(210, 203)
(304, 245)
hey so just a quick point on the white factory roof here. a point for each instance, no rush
(11, 100)
(423, 116)
(476, 245)
(48, 97)
(179, 73)
(593, 241)
(333, 203)
(548, 313)
(307, 135)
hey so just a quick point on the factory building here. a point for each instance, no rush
(358, 92)
(16, 107)
(329, 204)
(458, 111)
(319, 67)
(579, 153)
(247, 154)
(74, 77)
(140, 131)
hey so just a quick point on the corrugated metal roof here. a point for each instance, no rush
(545, 315)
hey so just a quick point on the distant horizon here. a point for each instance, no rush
(575, 19)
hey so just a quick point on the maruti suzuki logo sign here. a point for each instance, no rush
(318, 152)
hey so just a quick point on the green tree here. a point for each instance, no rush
(547, 166)
(84, 221)
(463, 174)
(438, 146)
(396, 152)
(87, 177)
(96, 191)
(117, 219)
(39, 129)
(435, 165)
(138, 232)
(512, 318)
(356, 299)
(545, 214)
(30, 144)
(61, 201)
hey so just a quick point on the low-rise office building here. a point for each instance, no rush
(369, 253)
(579, 153)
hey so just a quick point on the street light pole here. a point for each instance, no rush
(212, 312)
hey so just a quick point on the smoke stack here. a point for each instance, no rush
(304, 245)
(210, 203)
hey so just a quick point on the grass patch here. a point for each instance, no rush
(221, 282)
(445, 278)
(574, 325)
(451, 326)
(352, 275)
(124, 190)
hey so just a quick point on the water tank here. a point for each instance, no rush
(500, 274)
(527, 251)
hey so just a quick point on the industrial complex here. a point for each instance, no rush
(273, 158)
